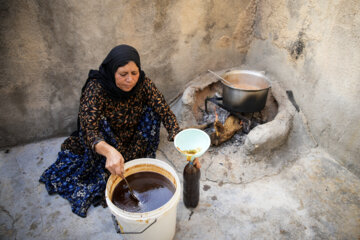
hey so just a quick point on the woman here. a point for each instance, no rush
(119, 120)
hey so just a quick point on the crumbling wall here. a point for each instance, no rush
(313, 48)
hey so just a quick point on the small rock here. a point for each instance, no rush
(206, 187)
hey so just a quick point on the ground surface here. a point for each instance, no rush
(310, 197)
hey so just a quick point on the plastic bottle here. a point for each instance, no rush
(191, 191)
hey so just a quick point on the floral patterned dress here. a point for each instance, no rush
(130, 125)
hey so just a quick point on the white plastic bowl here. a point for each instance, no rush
(192, 139)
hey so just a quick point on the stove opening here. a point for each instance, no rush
(224, 124)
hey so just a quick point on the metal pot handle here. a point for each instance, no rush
(118, 230)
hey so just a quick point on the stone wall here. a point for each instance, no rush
(313, 48)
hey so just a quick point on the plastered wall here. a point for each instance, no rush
(48, 47)
(313, 49)
(310, 47)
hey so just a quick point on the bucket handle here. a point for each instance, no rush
(118, 230)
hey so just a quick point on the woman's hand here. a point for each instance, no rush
(114, 159)
(115, 163)
(196, 163)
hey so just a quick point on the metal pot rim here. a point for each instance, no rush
(250, 72)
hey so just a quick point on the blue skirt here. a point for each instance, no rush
(81, 179)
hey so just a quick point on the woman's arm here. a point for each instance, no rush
(91, 109)
(168, 118)
(114, 159)
(158, 103)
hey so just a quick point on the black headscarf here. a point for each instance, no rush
(119, 56)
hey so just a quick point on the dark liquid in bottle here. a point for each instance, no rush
(151, 188)
(191, 190)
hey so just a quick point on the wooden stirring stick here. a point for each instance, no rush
(130, 189)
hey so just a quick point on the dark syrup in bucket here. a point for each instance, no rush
(151, 188)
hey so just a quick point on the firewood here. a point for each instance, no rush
(225, 132)
(202, 126)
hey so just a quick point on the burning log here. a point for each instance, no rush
(225, 132)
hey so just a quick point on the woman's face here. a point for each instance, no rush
(127, 76)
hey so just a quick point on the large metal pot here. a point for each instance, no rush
(247, 92)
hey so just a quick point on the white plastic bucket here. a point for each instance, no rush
(157, 224)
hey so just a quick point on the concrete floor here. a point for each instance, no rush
(310, 197)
